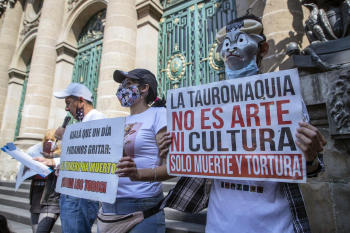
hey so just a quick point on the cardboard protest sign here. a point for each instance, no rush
(90, 152)
(240, 129)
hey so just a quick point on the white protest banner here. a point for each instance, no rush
(26, 159)
(25, 172)
(241, 129)
(90, 152)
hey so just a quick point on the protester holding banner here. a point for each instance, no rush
(141, 168)
(77, 214)
(44, 200)
(49, 202)
(249, 206)
(36, 188)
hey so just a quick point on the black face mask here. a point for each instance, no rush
(79, 114)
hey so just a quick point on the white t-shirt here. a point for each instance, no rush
(93, 114)
(248, 206)
(140, 144)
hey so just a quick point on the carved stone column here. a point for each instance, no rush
(8, 40)
(40, 82)
(119, 51)
(10, 114)
(148, 15)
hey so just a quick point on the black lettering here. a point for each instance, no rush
(191, 141)
(285, 132)
(267, 138)
(288, 86)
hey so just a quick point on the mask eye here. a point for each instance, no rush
(241, 39)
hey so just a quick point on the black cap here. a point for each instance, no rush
(143, 75)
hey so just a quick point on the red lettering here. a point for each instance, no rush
(67, 182)
(177, 119)
(281, 112)
(204, 118)
(237, 111)
(95, 186)
(267, 111)
(191, 113)
(252, 114)
(221, 122)
(175, 141)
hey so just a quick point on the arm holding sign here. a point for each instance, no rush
(311, 143)
(127, 166)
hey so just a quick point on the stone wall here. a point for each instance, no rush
(327, 197)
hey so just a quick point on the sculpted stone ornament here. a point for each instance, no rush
(3, 5)
(339, 104)
(328, 30)
(31, 16)
(328, 20)
(72, 4)
(238, 44)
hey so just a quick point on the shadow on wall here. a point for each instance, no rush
(277, 57)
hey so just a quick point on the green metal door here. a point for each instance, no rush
(20, 108)
(87, 62)
(186, 49)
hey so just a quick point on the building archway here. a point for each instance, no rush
(19, 76)
(87, 62)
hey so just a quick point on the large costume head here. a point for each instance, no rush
(239, 45)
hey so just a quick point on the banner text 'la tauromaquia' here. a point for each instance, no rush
(237, 129)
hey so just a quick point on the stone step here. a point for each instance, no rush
(11, 192)
(19, 227)
(24, 185)
(23, 216)
(18, 202)
(15, 206)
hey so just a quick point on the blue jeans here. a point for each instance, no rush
(152, 224)
(77, 214)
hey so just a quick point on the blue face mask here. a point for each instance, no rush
(250, 69)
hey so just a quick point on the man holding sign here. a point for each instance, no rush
(77, 214)
(244, 131)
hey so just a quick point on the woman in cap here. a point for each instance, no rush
(141, 168)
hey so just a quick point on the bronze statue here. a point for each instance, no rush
(328, 20)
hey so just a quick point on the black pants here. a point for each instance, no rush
(46, 222)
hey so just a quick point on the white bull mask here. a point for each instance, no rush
(238, 45)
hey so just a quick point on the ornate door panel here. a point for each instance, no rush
(87, 62)
(187, 49)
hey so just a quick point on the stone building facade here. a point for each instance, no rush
(46, 44)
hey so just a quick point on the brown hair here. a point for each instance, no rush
(50, 135)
